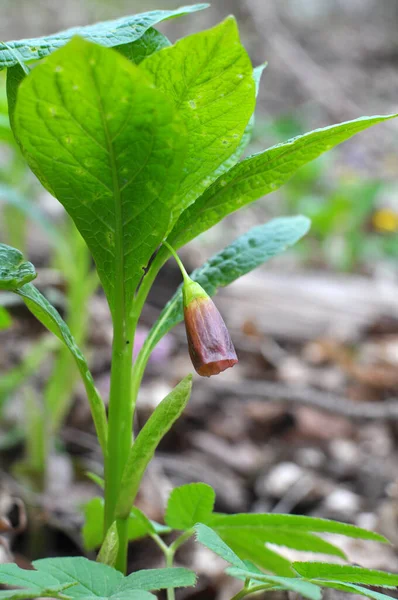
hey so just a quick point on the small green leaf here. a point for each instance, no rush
(14, 270)
(209, 538)
(189, 504)
(152, 41)
(209, 77)
(96, 479)
(116, 172)
(159, 423)
(242, 256)
(258, 175)
(345, 573)
(293, 522)
(108, 33)
(5, 322)
(159, 579)
(139, 525)
(305, 588)
(110, 547)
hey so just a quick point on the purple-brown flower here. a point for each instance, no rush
(210, 345)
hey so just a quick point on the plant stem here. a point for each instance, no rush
(169, 552)
(169, 563)
(246, 591)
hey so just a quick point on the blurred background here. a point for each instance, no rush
(307, 422)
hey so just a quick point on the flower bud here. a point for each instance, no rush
(210, 345)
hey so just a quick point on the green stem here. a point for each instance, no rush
(169, 552)
(247, 591)
(178, 261)
(169, 563)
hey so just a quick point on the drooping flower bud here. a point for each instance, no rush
(210, 345)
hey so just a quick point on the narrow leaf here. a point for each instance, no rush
(116, 172)
(348, 573)
(305, 588)
(209, 538)
(110, 547)
(108, 33)
(209, 77)
(260, 174)
(294, 522)
(355, 589)
(159, 423)
(50, 318)
(5, 322)
(159, 579)
(189, 504)
(246, 253)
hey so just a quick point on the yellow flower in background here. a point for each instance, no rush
(385, 219)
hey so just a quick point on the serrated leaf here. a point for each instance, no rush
(209, 77)
(158, 424)
(152, 41)
(189, 504)
(356, 589)
(116, 171)
(15, 271)
(246, 253)
(258, 175)
(159, 579)
(108, 33)
(12, 575)
(298, 540)
(110, 547)
(293, 522)
(249, 547)
(345, 573)
(209, 538)
(305, 588)
(139, 525)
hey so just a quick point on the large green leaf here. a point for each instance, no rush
(159, 423)
(108, 33)
(258, 175)
(209, 77)
(251, 548)
(189, 504)
(292, 522)
(114, 168)
(345, 573)
(14, 272)
(305, 588)
(242, 256)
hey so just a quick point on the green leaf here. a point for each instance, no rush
(12, 575)
(110, 547)
(159, 423)
(209, 77)
(356, 589)
(5, 323)
(209, 538)
(189, 504)
(14, 270)
(305, 588)
(116, 172)
(345, 573)
(152, 41)
(298, 540)
(108, 33)
(249, 547)
(159, 579)
(14, 273)
(139, 525)
(50, 318)
(258, 175)
(293, 522)
(246, 253)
